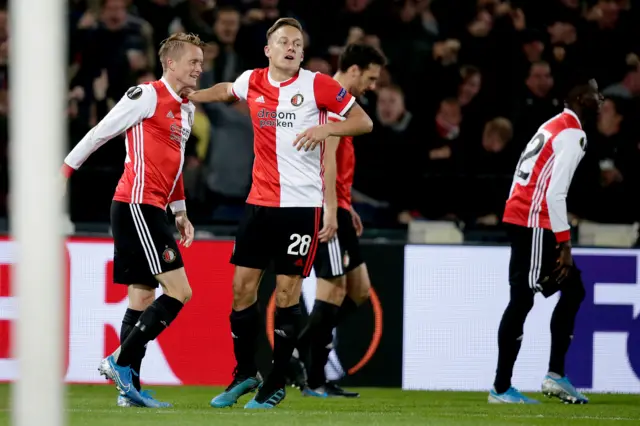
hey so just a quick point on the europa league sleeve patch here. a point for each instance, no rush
(134, 93)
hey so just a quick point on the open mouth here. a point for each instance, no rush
(289, 57)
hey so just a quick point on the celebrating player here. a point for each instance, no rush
(157, 122)
(288, 107)
(536, 220)
(343, 281)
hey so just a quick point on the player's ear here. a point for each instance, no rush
(267, 51)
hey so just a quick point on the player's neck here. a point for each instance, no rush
(174, 83)
(343, 80)
(279, 75)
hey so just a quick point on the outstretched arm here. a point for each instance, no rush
(224, 92)
(137, 104)
(221, 92)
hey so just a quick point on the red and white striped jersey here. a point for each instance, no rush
(157, 123)
(282, 175)
(543, 175)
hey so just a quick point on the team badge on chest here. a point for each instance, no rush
(297, 100)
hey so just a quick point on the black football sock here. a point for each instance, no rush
(324, 319)
(245, 326)
(285, 337)
(346, 309)
(562, 324)
(510, 336)
(129, 321)
(152, 322)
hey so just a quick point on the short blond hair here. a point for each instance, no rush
(170, 46)
(284, 22)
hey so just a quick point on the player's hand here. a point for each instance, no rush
(565, 262)
(357, 221)
(311, 137)
(329, 225)
(186, 92)
(185, 228)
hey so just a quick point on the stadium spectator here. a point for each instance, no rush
(497, 58)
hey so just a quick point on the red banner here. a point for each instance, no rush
(196, 349)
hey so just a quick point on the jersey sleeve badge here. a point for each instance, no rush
(134, 93)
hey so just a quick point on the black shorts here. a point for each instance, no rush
(284, 236)
(534, 254)
(144, 245)
(342, 253)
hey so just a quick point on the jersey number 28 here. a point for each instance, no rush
(530, 155)
(300, 245)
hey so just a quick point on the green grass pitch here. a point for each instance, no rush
(95, 405)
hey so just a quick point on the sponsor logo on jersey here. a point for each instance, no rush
(134, 93)
(341, 94)
(269, 118)
(179, 134)
(297, 99)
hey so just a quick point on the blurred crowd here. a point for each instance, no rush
(467, 85)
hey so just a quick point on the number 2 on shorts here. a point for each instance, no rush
(300, 245)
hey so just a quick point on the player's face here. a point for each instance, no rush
(285, 49)
(188, 66)
(593, 100)
(366, 80)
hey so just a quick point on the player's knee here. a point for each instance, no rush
(245, 292)
(140, 297)
(574, 289)
(521, 300)
(187, 294)
(361, 293)
(288, 288)
(244, 288)
(181, 293)
(176, 285)
(359, 285)
(331, 290)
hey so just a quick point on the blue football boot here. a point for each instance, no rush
(122, 377)
(266, 399)
(511, 396)
(240, 385)
(562, 389)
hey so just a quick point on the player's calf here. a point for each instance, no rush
(245, 326)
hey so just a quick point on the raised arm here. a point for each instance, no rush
(137, 104)
(335, 98)
(357, 122)
(224, 92)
